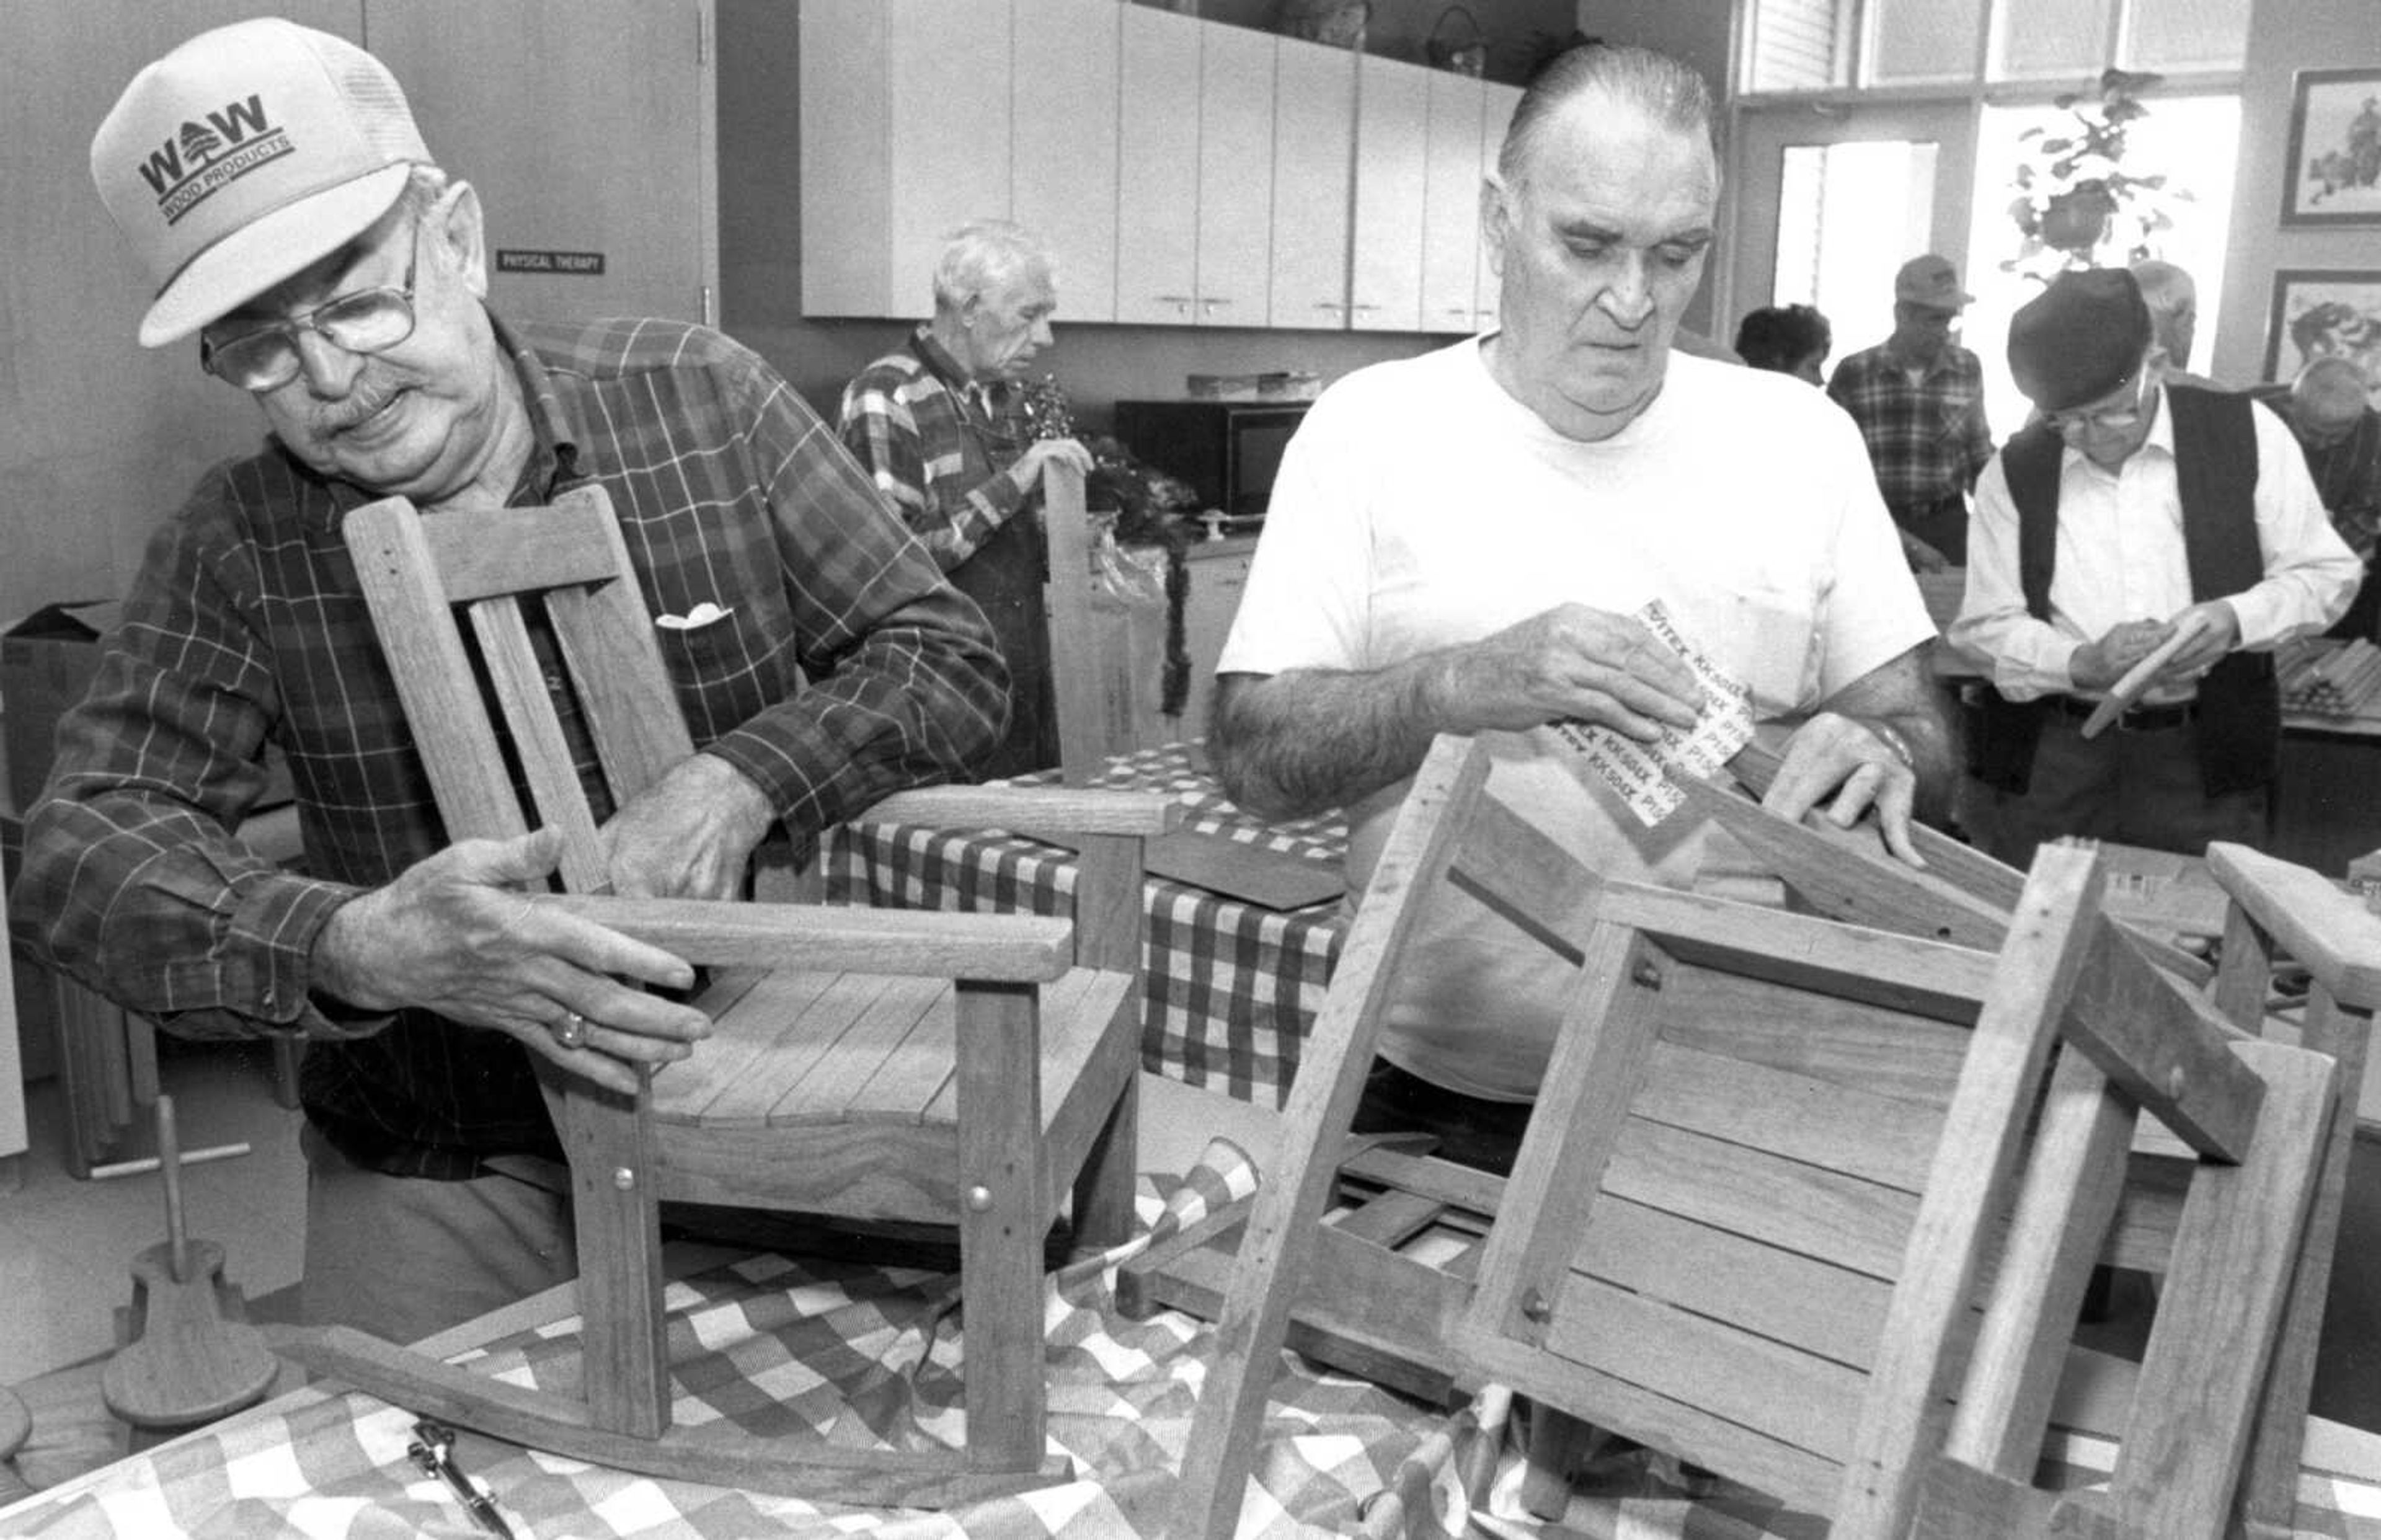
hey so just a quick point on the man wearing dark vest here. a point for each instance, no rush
(2131, 508)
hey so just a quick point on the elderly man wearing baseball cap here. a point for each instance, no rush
(2142, 523)
(1919, 398)
(273, 184)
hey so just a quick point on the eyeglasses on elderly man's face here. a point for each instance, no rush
(367, 320)
(2121, 417)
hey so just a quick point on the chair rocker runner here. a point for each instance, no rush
(1771, 1180)
(958, 1070)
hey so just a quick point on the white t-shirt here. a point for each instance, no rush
(1420, 507)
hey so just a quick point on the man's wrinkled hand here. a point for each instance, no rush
(2099, 664)
(688, 836)
(1569, 662)
(1027, 472)
(2217, 627)
(1851, 766)
(455, 934)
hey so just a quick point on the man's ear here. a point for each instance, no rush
(1495, 220)
(458, 224)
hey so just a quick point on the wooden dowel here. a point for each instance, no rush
(142, 1165)
(2137, 679)
(169, 1161)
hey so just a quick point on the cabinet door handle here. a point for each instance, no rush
(1362, 308)
(1327, 305)
(1207, 306)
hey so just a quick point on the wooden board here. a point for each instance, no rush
(1230, 868)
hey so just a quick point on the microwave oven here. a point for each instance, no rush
(1227, 451)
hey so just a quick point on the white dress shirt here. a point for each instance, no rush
(2120, 557)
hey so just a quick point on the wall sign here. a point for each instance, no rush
(585, 264)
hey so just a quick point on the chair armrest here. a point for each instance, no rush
(2330, 933)
(1027, 809)
(1014, 948)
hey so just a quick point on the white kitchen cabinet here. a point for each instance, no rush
(1451, 257)
(1194, 214)
(1063, 123)
(1157, 205)
(1392, 137)
(1314, 142)
(1236, 138)
(905, 136)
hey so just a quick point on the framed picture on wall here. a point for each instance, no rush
(2334, 174)
(2317, 313)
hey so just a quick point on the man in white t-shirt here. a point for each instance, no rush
(1460, 541)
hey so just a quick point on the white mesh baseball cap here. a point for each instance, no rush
(244, 155)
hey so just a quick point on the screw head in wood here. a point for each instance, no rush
(1647, 975)
(623, 1178)
(1536, 1307)
(978, 1199)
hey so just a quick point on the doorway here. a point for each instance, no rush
(1833, 199)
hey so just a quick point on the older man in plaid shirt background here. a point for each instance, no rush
(1919, 398)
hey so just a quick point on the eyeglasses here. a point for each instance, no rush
(368, 320)
(2114, 420)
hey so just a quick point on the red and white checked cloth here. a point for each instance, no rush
(841, 1352)
(1231, 988)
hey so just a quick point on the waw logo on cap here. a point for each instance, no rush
(244, 155)
(204, 156)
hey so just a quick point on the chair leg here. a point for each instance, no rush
(1104, 1188)
(624, 1345)
(1003, 1204)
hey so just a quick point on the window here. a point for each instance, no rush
(1807, 45)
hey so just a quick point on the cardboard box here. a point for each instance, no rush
(46, 663)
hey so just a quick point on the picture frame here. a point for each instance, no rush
(2325, 311)
(2333, 176)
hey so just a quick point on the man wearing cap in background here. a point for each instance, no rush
(1919, 398)
(330, 269)
(2132, 510)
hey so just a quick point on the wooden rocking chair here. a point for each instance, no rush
(955, 1069)
(1769, 1184)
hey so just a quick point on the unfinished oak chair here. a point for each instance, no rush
(2274, 911)
(1771, 1180)
(959, 1070)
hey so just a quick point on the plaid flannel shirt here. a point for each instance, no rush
(1928, 441)
(932, 450)
(246, 625)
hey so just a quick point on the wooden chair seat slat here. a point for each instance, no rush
(1884, 1053)
(1796, 1207)
(748, 1008)
(786, 1055)
(1794, 1397)
(851, 1080)
(1782, 1294)
(1883, 1139)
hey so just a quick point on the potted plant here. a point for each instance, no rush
(2077, 203)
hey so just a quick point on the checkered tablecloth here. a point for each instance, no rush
(1232, 988)
(848, 1353)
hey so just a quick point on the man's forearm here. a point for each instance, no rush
(1287, 745)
